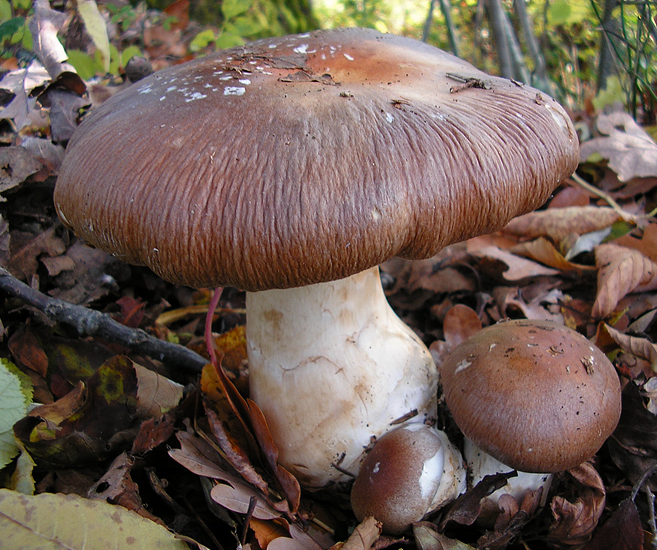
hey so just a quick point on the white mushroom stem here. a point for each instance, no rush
(331, 366)
(453, 478)
(481, 464)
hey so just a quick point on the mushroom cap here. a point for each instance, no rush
(535, 395)
(399, 477)
(308, 158)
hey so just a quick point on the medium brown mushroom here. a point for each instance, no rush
(292, 167)
(409, 472)
(536, 396)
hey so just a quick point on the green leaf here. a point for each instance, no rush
(97, 29)
(15, 396)
(84, 64)
(128, 54)
(232, 8)
(11, 27)
(568, 12)
(5, 10)
(44, 521)
(228, 39)
(201, 40)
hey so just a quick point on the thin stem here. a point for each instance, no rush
(208, 324)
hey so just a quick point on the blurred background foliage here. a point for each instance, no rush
(587, 53)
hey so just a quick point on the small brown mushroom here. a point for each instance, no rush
(409, 472)
(292, 167)
(536, 396)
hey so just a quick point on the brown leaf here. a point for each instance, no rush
(44, 27)
(235, 455)
(633, 445)
(512, 268)
(647, 245)
(117, 487)
(631, 152)
(152, 433)
(27, 350)
(26, 249)
(634, 345)
(621, 271)
(288, 482)
(199, 457)
(88, 280)
(622, 531)
(364, 536)
(575, 521)
(545, 252)
(558, 223)
(16, 165)
(237, 498)
(466, 509)
(459, 324)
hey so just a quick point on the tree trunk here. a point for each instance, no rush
(607, 66)
(540, 77)
(498, 30)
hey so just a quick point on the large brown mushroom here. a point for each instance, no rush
(292, 167)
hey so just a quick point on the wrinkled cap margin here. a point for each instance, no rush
(308, 158)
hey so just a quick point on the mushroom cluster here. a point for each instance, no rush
(292, 167)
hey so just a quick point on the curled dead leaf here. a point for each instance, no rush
(634, 345)
(621, 271)
(558, 223)
(631, 152)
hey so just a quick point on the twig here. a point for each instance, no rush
(89, 322)
(600, 194)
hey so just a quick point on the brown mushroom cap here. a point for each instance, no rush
(308, 158)
(535, 395)
(399, 477)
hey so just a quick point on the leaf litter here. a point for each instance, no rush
(194, 453)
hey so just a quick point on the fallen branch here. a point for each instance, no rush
(89, 322)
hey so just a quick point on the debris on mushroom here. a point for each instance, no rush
(407, 474)
(292, 167)
(536, 396)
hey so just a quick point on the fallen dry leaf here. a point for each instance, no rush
(620, 271)
(26, 249)
(509, 266)
(45, 521)
(631, 152)
(544, 251)
(237, 497)
(459, 324)
(16, 165)
(558, 223)
(575, 520)
(640, 347)
(622, 531)
(364, 536)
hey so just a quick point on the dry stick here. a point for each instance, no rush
(89, 322)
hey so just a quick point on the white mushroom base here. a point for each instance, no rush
(481, 464)
(332, 366)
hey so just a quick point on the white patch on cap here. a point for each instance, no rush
(462, 366)
(145, 89)
(234, 90)
(245, 81)
(194, 96)
(301, 49)
(348, 56)
(432, 471)
(390, 118)
(171, 88)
